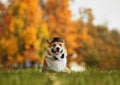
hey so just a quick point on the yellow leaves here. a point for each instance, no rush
(20, 58)
(29, 36)
(15, 22)
(34, 12)
(11, 46)
(11, 26)
(23, 5)
(25, 29)
(84, 34)
(44, 30)
(23, 8)
(37, 45)
(64, 3)
(34, 5)
(72, 36)
(27, 46)
(71, 43)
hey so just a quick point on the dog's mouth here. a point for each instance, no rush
(57, 51)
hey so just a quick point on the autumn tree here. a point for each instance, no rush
(25, 32)
(100, 45)
(58, 18)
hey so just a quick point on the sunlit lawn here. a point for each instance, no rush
(36, 77)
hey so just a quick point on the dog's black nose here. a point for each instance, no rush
(57, 48)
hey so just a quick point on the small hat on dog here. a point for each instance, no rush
(56, 39)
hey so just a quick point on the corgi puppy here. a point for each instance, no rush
(56, 56)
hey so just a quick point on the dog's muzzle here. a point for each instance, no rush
(57, 51)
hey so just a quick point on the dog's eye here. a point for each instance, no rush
(60, 44)
(54, 45)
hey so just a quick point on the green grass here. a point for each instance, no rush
(36, 77)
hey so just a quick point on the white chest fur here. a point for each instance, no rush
(56, 65)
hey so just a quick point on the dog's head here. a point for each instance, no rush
(56, 47)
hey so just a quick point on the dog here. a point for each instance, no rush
(56, 56)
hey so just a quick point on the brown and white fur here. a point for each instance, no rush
(56, 57)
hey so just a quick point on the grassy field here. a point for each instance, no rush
(36, 77)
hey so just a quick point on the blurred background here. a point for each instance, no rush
(25, 25)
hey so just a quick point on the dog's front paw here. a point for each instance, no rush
(67, 70)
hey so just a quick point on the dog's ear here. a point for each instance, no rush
(48, 41)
